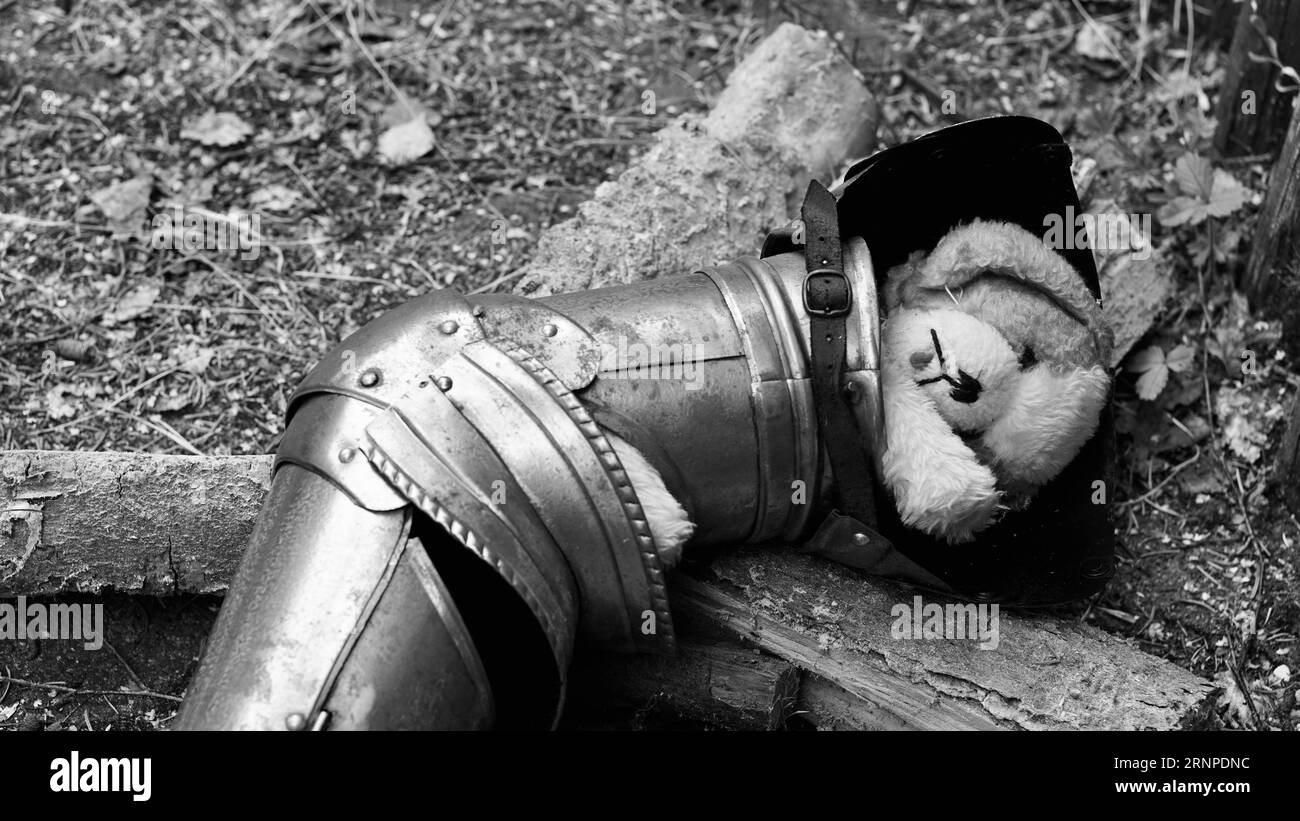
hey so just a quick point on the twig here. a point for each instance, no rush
(1180, 466)
(129, 670)
(63, 688)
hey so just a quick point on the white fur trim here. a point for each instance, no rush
(669, 524)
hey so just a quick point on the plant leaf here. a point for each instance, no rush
(1152, 382)
(1227, 196)
(1180, 359)
(1181, 210)
(1194, 176)
(1145, 359)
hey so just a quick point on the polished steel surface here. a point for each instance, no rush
(316, 569)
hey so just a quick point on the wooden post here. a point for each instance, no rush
(1272, 276)
(1252, 113)
(1216, 20)
(1288, 461)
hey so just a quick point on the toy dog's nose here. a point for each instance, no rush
(966, 389)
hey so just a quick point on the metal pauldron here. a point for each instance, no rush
(447, 515)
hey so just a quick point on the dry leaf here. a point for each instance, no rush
(195, 358)
(274, 198)
(133, 303)
(408, 141)
(1245, 417)
(1098, 41)
(59, 402)
(222, 128)
(124, 204)
(408, 135)
(1236, 702)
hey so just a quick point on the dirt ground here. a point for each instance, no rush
(108, 343)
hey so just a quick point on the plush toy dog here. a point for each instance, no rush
(993, 376)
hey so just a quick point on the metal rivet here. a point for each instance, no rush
(444, 383)
(861, 539)
(852, 392)
(449, 327)
(370, 378)
(347, 454)
(550, 329)
(295, 722)
(478, 310)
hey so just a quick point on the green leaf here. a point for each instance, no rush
(1182, 210)
(1194, 176)
(1151, 383)
(1180, 359)
(1150, 363)
(1227, 196)
(1145, 359)
(1205, 192)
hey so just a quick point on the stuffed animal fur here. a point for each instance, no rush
(993, 377)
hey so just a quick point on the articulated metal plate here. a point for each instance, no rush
(505, 448)
(423, 405)
(321, 579)
(446, 487)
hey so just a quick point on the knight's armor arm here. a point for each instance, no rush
(447, 516)
(446, 494)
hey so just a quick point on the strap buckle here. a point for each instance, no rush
(826, 293)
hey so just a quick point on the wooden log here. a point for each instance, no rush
(837, 624)
(1252, 113)
(709, 683)
(154, 523)
(709, 189)
(1272, 277)
(133, 522)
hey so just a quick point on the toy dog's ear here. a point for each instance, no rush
(1003, 249)
(939, 485)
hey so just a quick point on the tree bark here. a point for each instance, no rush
(178, 524)
(1288, 461)
(1272, 276)
(1216, 20)
(1252, 113)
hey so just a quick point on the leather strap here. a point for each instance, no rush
(828, 299)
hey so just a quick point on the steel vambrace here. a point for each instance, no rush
(447, 515)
